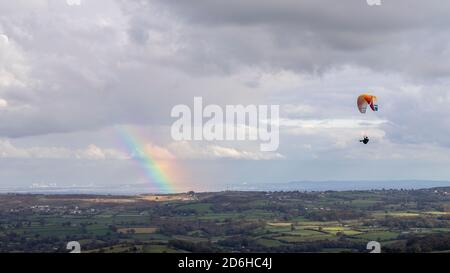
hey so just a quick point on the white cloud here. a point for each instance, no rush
(330, 123)
(385, 150)
(14, 67)
(298, 109)
(156, 152)
(193, 150)
(92, 152)
(3, 40)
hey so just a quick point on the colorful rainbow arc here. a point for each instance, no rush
(139, 153)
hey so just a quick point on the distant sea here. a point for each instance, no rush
(289, 186)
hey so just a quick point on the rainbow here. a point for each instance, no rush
(153, 170)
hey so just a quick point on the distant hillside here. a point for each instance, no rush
(341, 185)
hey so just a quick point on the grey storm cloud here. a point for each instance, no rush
(110, 62)
(70, 73)
(313, 36)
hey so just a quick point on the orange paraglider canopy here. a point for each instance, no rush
(366, 99)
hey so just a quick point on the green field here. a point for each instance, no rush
(402, 221)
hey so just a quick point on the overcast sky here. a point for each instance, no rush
(70, 75)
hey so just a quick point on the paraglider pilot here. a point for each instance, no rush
(365, 140)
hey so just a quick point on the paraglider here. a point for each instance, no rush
(362, 102)
(366, 99)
